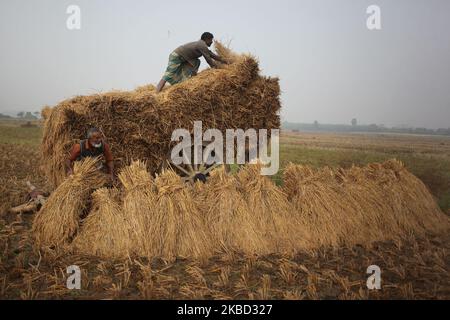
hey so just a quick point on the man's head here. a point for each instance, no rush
(95, 137)
(208, 38)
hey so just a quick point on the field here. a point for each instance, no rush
(414, 268)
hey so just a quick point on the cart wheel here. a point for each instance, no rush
(194, 172)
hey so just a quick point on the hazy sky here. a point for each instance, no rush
(332, 68)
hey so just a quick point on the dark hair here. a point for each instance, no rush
(91, 131)
(207, 35)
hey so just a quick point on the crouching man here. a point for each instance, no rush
(94, 146)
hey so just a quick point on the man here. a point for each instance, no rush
(184, 61)
(93, 146)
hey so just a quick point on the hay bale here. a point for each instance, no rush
(105, 232)
(139, 124)
(58, 220)
(362, 205)
(273, 215)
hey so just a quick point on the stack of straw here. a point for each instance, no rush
(362, 205)
(139, 207)
(231, 221)
(246, 212)
(106, 232)
(273, 214)
(139, 124)
(58, 220)
(177, 226)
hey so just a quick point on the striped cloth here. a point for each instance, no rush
(179, 69)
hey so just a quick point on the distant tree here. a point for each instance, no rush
(354, 122)
(37, 114)
(316, 124)
(443, 131)
(20, 114)
(4, 116)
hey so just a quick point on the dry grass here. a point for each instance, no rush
(177, 225)
(248, 213)
(17, 166)
(153, 219)
(58, 220)
(272, 214)
(226, 212)
(138, 207)
(362, 205)
(106, 231)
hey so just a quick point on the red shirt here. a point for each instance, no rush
(76, 150)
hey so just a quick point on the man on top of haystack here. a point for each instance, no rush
(184, 61)
(94, 146)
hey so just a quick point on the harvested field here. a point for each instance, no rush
(308, 233)
(415, 267)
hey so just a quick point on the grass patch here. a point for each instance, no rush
(20, 135)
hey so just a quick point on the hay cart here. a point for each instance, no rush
(139, 124)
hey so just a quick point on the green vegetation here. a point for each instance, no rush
(14, 134)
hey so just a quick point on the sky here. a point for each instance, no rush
(332, 68)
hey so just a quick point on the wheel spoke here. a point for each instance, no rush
(181, 169)
(188, 163)
(211, 168)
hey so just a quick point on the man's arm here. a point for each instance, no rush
(74, 153)
(69, 167)
(109, 159)
(207, 55)
(210, 61)
(217, 58)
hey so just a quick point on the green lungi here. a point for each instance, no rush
(179, 69)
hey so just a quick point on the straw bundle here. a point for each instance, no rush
(58, 220)
(139, 124)
(227, 215)
(272, 213)
(105, 232)
(362, 205)
(139, 207)
(177, 228)
(418, 210)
